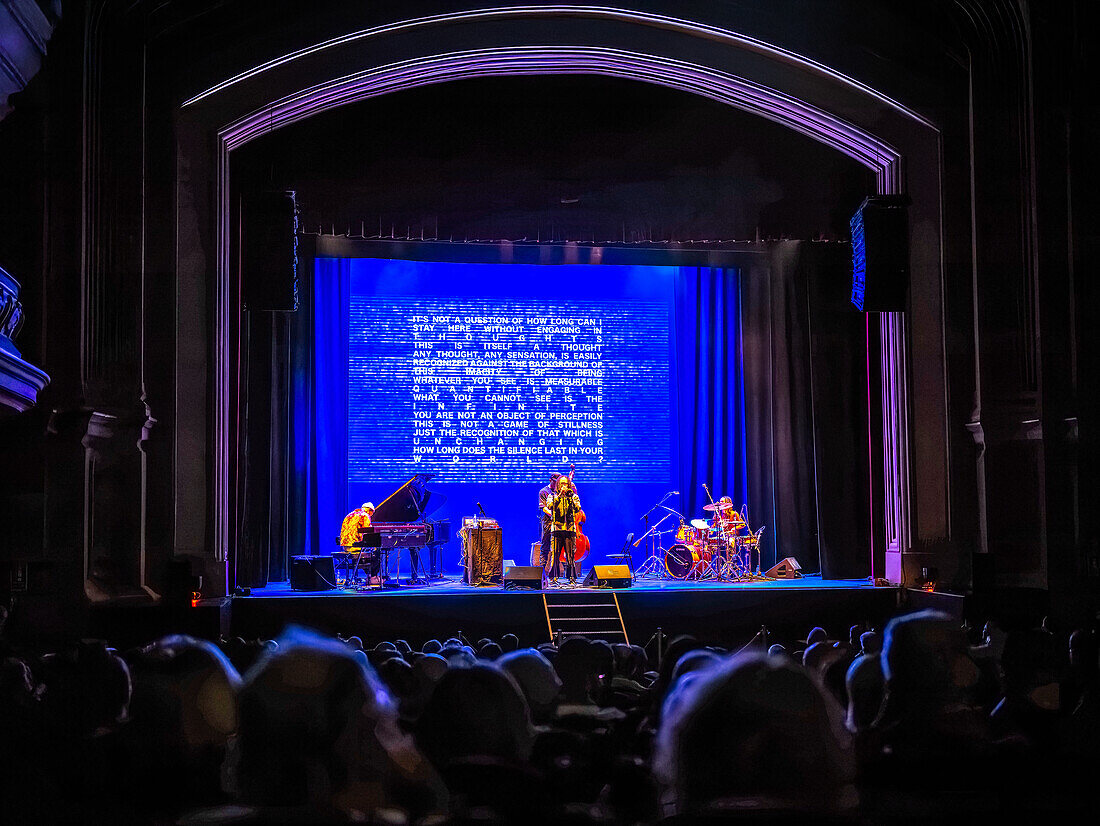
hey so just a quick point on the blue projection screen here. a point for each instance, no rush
(493, 373)
(489, 376)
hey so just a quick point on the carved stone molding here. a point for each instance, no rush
(24, 32)
(20, 381)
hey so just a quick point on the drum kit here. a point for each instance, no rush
(721, 548)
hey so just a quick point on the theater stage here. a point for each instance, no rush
(726, 613)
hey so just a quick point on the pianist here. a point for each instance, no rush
(352, 527)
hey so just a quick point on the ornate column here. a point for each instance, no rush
(112, 307)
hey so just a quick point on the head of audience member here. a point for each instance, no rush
(385, 645)
(817, 634)
(432, 647)
(19, 694)
(432, 666)
(87, 688)
(377, 656)
(926, 659)
(992, 640)
(628, 665)
(490, 651)
(698, 660)
(403, 647)
(1083, 654)
(676, 648)
(929, 706)
(818, 656)
(769, 718)
(536, 678)
(354, 643)
(317, 729)
(183, 712)
(854, 633)
(870, 643)
(777, 650)
(475, 712)
(459, 656)
(865, 685)
(509, 642)
(582, 664)
(400, 680)
(689, 668)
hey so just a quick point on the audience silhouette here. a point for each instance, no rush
(908, 722)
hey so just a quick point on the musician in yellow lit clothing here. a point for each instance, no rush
(351, 531)
(354, 523)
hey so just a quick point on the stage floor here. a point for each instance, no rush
(722, 613)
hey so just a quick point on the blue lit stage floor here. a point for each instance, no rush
(718, 612)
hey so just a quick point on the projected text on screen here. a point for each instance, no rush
(497, 390)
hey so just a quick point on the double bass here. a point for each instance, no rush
(584, 544)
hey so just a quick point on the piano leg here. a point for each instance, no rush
(414, 567)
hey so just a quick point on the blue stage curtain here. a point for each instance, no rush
(324, 409)
(710, 387)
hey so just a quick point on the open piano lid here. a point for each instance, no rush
(412, 502)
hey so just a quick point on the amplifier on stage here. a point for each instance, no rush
(483, 551)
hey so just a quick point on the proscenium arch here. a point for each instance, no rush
(724, 87)
(692, 78)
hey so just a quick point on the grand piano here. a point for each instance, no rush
(401, 522)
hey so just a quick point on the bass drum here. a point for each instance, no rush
(679, 560)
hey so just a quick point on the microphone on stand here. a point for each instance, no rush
(483, 513)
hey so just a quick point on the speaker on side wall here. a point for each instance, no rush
(269, 252)
(880, 254)
(786, 569)
(524, 576)
(609, 576)
(312, 573)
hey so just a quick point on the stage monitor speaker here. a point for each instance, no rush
(269, 252)
(609, 576)
(524, 576)
(787, 569)
(880, 254)
(312, 573)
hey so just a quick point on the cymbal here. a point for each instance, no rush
(710, 508)
(701, 524)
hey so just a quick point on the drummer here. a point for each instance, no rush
(727, 521)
